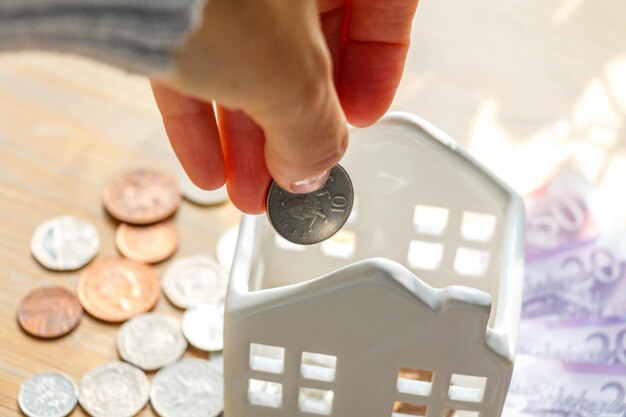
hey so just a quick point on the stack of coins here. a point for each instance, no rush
(123, 290)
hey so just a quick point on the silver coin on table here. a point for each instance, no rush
(226, 247)
(203, 326)
(151, 341)
(199, 196)
(217, 359)
(194, 279)
(65, 243)
(115, 389)
(311, 218)
(189, 388)
(48, 394)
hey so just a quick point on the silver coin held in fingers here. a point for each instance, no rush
(311, 218)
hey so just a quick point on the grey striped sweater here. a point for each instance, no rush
(136, 35)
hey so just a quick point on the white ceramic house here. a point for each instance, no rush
(412, 309)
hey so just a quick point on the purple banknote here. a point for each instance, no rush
(544, 388)
(572, 344)
(581, 282)
(601, 341)
(560, 216)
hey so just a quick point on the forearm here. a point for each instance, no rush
(136, 35)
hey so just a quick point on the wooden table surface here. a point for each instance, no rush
(67, 127)
(530, 87)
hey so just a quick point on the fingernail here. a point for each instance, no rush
(310, 184)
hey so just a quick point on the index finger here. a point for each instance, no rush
(192, 130)
(377, 42)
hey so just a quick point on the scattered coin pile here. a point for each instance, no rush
(123, 290)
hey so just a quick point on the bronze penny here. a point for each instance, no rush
(116, 289)
(142, 196)
(49, 312)
(149, 244)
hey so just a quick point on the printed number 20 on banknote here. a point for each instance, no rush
(600, 341)
(562, 215)
(551, 389)
(583, 282)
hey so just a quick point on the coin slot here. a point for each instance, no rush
(430, 220)
(461, 413)
(318, 366)
(284, 244)
(404, 409)
(472, 262)
(425, 255)
(315, 401)
(267, 358)
(467, 388)
(415, 381)
(478, 227)
(265, 393)
(340, 245)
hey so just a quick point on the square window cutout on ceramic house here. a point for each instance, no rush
(478, 227)
(315, 401)
(460, 413)
(265, 393)
(425, 255)
(404, 409)
(471, 262)
(430, 220)
(318, 366)
(266, 358)
(341, 245)
(467, 388)
(415, 381)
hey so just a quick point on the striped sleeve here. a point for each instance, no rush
(137, 35)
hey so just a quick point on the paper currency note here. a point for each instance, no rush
(544, 388)
(586, 281)
(590, 341)
(561, 216)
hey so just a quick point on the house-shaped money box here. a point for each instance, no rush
(412, 309)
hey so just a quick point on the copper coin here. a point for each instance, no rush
(49, 312)
(116, 289)
(142, 196)
(149, 244)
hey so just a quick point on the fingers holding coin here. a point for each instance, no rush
(311, 218)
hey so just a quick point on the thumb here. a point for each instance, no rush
(308, 138)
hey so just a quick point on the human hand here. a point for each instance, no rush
(272, 68)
